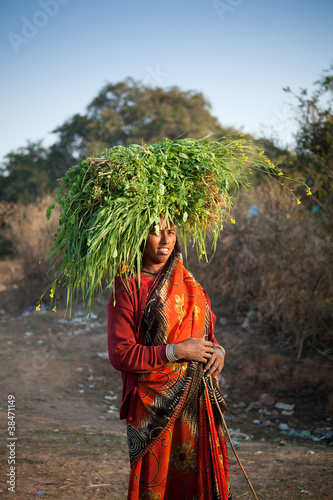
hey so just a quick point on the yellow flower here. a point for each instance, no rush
(38, 307)
(246, 158)
(39, 262)
(241, 135)
(51, 294)
(261, 152)
(309, 193)
(183, 457)
(298, 201)
(203, 252)
(179, 308)
(177, 212)
(232, 221)
(280, 173)
(54, 309)
(149, 495)
(196, 311)
(175, 367)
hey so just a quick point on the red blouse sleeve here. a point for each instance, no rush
(212, 321)
(126, 353)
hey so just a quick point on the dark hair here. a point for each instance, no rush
(177, 248)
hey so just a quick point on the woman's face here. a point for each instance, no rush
(159, 246)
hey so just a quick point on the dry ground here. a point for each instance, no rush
(71, 444)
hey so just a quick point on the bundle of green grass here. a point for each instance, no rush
(110, 202)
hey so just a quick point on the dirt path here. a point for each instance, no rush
(70, 443)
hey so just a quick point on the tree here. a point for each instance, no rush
(26, 174)
(129, 112)
(123, 113)
(314, 143)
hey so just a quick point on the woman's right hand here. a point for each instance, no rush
(194, 349)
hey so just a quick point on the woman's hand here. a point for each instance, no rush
(215, 363)
(194, 350)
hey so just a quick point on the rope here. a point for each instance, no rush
(230, 441)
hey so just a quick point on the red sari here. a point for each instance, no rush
(175, 434)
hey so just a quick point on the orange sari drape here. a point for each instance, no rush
(176, 440)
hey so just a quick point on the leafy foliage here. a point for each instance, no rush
(110, 202)
(129, 112)
(121, 114)
(26, 174)
(314, 144)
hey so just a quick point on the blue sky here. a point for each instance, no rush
(56, 56)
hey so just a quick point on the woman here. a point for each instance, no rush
(160, 335)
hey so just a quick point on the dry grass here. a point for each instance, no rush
(31, 235)
(277, 267)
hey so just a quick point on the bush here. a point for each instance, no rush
(278, 266)
(31, 235)
(6, 246)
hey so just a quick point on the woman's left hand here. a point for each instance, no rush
(215, 363)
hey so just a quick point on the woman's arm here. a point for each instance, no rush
(215, 363)
(125, 353)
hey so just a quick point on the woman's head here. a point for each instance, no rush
(160, 245)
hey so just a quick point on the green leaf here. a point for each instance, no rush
(48, 211)
(125, 191)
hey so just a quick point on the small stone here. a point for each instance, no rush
(266, 399)
(284, 406)
(254, 405)
(103, 355)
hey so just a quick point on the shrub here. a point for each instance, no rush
(31, 235)
(6, 246)
(277, 264)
